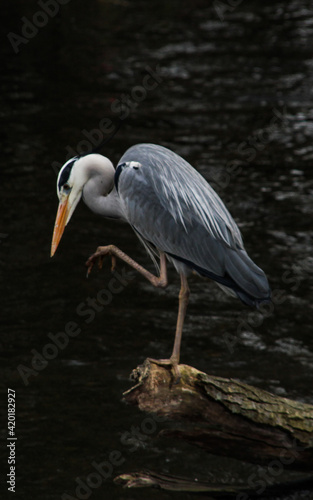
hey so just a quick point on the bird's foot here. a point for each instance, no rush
(173, 363)
(99, 255)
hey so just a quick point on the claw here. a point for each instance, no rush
(176, 374)
(89, 267)
(113, 263)
(96, 257)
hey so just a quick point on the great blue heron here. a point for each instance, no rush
(175, 213)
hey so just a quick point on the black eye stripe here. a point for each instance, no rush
(65, 174)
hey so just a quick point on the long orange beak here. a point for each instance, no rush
(59, 225)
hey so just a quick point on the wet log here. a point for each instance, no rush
(226, 417)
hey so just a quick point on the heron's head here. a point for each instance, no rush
(72, 178)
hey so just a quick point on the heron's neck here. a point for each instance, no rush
(107, 206)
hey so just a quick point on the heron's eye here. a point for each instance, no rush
(66, 187)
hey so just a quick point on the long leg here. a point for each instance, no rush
(113, 251)
(182, 308)
(173, 361)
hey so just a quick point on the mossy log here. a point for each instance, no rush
(227, 417)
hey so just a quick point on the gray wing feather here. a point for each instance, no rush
(184, 192)
(172, 206)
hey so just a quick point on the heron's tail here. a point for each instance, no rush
(245, 278)
(242, 277)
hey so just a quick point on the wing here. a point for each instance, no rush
(184, 192)
(172, 207)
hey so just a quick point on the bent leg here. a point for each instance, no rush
(113, 251)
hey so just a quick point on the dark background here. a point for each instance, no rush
(234, 99)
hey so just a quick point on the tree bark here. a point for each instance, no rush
(227, 417)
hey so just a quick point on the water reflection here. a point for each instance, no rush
(221, 83)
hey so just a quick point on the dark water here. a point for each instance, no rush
(230, 89)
